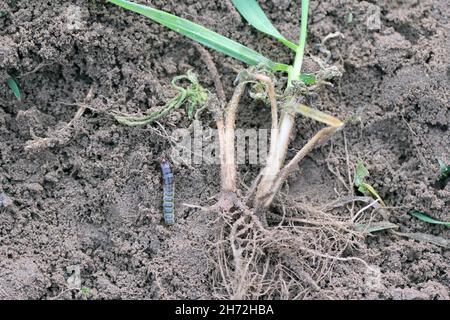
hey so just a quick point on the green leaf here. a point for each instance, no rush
(86, 292)
(12, 84)
(308, 79)
(254, 15)
(362, 188)
(360, 173)
(202, 35)
(426, 218)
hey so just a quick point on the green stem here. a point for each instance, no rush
(296, 70)
(287, 121)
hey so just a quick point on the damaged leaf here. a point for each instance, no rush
(361, 173)
(424, 237)
(375, 226)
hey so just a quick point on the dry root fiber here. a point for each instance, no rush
(288, 256)
(292, 258)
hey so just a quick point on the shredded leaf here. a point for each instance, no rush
(195, 95)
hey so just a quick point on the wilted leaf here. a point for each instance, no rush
(424, 237)
(375, 226)
(360, 173)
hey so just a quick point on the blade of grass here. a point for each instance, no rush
(202, 35)
(254, 15)
(426, 218)
(12, 84)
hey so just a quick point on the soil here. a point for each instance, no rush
(90, 197)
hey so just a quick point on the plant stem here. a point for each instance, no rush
(295, 72)
(287, 121)
(229, 164)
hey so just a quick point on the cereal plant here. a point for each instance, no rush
(283, 111)
(248, 257)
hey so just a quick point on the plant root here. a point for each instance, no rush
(292, 258)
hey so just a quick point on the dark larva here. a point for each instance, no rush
(168, 193)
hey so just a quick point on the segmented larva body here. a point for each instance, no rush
(168, 193)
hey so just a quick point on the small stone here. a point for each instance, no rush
(51, 177)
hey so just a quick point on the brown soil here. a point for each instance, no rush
(91, 196)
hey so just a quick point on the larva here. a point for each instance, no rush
(168, 193)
